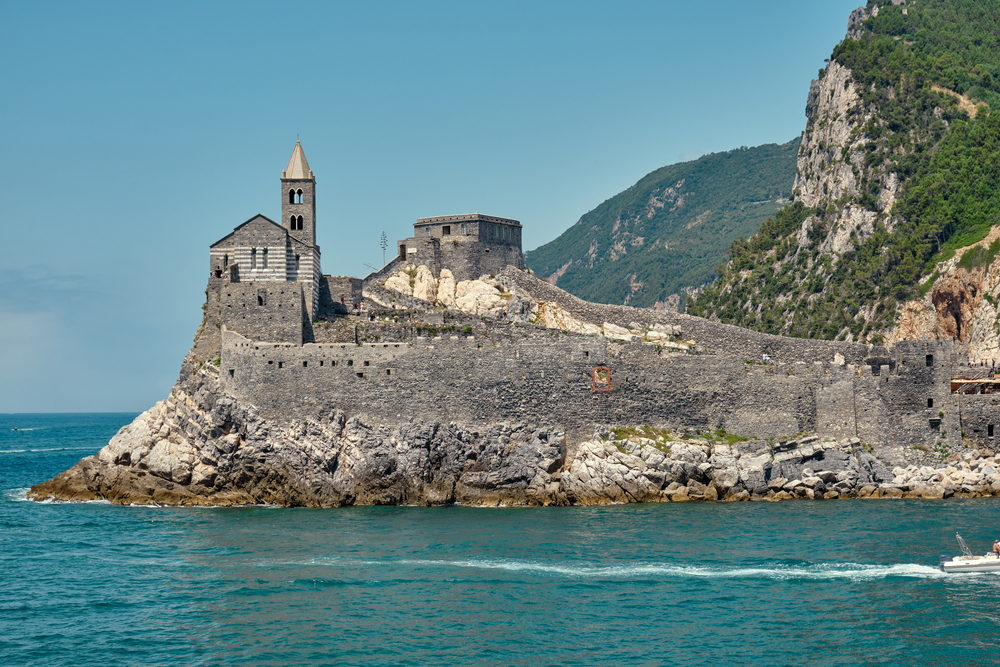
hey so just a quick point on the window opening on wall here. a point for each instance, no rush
(368, 363)
(446, 230)
(305, 364)
(465, 229)
(428, 230)
(600, 379)
(321, 362)
(298, 197)
(291, 196)
(300, 222)
(225, 261)
(281, 364)
(265, 258)
(989, 430)
(253, 258)
(930, 359)
(935, 424)
(296, 262)
(232, 372)
(350, 362)
(930, 402)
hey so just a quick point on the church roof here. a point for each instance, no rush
(262, 218)
(297, 165)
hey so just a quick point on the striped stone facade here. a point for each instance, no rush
(264, 251)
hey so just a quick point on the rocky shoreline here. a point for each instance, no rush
(200, 447)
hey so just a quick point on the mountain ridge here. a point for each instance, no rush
(666, 234)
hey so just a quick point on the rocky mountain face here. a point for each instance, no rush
(894, 184)
(666, 235)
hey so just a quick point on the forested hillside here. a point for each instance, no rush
(899, 166)
(670, 230)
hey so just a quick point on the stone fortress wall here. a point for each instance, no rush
(262, 333)
(546, 377)
(469, 246)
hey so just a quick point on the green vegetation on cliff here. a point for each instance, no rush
(670, 230)
(928, 75)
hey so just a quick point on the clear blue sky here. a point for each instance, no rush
(136, 134)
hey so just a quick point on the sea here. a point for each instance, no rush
(817, 583)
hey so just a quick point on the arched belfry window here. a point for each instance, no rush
(298, 197)
(300, 222)
(291, 196)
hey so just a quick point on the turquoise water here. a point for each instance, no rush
(818, 583)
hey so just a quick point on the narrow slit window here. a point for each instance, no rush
(989, 430)
(253, 258)
(264, 262)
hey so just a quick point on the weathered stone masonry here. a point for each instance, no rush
(891, 397)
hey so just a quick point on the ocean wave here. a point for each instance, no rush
(55, 449)
(16, 495)
(54, 501)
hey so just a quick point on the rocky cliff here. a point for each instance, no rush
(199, 447)
(895, 178)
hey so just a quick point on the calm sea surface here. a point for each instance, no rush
(817, 583)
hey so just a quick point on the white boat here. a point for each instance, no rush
(967, 562)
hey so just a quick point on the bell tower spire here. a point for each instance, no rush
(298, 197)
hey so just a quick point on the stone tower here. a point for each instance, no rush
(298, 198)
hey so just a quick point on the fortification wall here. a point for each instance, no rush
(715, 337)
(264, 311)
(467, 256)
(545, 377)
(980, 417)
(339, 295)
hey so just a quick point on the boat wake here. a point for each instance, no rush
(817, 571)
(854, 571)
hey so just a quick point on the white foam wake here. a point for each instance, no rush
(16, 495)
(55, 449)
(855, 571)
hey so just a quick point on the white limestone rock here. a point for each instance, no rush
(477, 297)
(425, 285)
(400, 282)
(171, 460)
(446, 289)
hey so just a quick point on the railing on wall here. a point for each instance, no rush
(389, 268)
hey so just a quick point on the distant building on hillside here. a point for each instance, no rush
(469, 245)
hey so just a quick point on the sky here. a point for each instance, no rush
(134, 135)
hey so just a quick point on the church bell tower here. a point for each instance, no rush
(298, 198)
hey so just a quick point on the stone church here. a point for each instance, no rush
(267, 284)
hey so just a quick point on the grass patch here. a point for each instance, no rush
(979, 256)
(659, 436)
